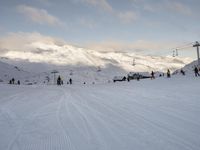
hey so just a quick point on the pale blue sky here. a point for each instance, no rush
(106, 23)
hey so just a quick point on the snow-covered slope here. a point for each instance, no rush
(65, 55)
(8, 71)
(189, 68)
(161, 114)
(42, 58)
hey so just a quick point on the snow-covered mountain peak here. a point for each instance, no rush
(64, 54)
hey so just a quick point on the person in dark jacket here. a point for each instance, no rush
(168, 73)
(152, 75)
(182, 72)
(70, 81)
(59, 80)
(196, 71)
(13, 81)
(18, 82)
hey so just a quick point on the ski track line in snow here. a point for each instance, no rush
(62, 103)
(101, 119)
(116, 116)
(91, 134)
(86, 122)
(11, 98)
(162, 125)
(154, 123)
(157, 124)
(163, 111)
(20, 129)
(90, 128)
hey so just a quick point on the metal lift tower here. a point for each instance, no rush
(197, 46)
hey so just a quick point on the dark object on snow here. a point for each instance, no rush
(10, 82)
(84, 83)
(182, 72)
(138, 78)
(168, 73)
(18, 82)
(70, 81)
(152, 75)
(59, 80)
(119, 78)
(13, 81)
(135, 76)
(196, 71)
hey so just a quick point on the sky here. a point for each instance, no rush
(146, 26)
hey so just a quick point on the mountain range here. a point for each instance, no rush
(41, 58)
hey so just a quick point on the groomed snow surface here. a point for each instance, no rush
(161, 114)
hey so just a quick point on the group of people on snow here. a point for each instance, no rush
(12, 81)
(60, 81)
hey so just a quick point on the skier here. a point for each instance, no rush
(152, 75)
(124, 78)
(70, 81)
(18, 82)
(182, 72)
(196, 71)
(168, 73)
(13, 81)
(59, 80)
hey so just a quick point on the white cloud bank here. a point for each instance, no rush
(126, 16)
(21, 41)
(40, 16)
(35, 47)
(24, 41)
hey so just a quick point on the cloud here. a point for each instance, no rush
(128, 16)
(136, 46)
(123, 16)
(180, 8)
(102, 4)
(25, 42)
(33, 47)
(39, 16)
(165, 5)
(34, 42)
